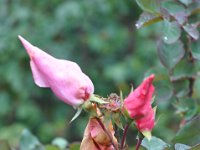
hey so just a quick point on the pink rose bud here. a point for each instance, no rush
(146, 123)
(138, 102)
(63, 77)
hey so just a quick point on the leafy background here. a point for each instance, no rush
(99, 35)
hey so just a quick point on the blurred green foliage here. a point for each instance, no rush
(99, 35)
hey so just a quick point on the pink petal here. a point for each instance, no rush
(140, 99)
(64, 77)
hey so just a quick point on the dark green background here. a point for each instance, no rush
(99, 35)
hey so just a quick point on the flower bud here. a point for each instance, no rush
(63, 77)
(146, 123)
(138, 102)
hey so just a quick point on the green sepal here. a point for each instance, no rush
(96, 99)
(121, 99)
(116, 119)
(128, 118)
(79, 110)
(89, 107)
(147, 134)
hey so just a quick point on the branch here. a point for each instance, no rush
(106, 131)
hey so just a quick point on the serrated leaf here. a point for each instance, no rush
(188, 107)
(190, 133)
(29, 142)
(151, 6)
(171, 32)
(195, 49)
(79, 110)
(170, 54)
(179, 146)
(192, 31)
(176, 10)
(147, 19)
(154, 144)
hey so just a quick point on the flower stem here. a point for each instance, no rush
(138, 143)
(124, 135)
(106, 131)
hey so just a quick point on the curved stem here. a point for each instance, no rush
(124, 135)
(106, 131)
(138, 144)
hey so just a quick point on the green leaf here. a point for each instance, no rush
(171, 32)
(51, 147)
(163, 93)
(60, 142)
(151, 6)
(74, 146)
(79, 110)
(188, 107)
(29, 142)
(192, 31)
(146, 19)
(4, 145)
(195, 49)
(181, 87)
(179, 146)
(193, 9)
(176, 10)
(154, 144)
(186, 2)
(170, 54)
(190, 133)
(183, 70)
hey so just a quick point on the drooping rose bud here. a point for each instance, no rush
(95, 138)
(138, 102)
(63, 77)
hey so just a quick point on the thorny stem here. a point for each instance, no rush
(106, 131)
(124, 135)
(138, 143)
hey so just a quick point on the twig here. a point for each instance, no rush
(138, 143)
(124, 135)
(106, 131)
